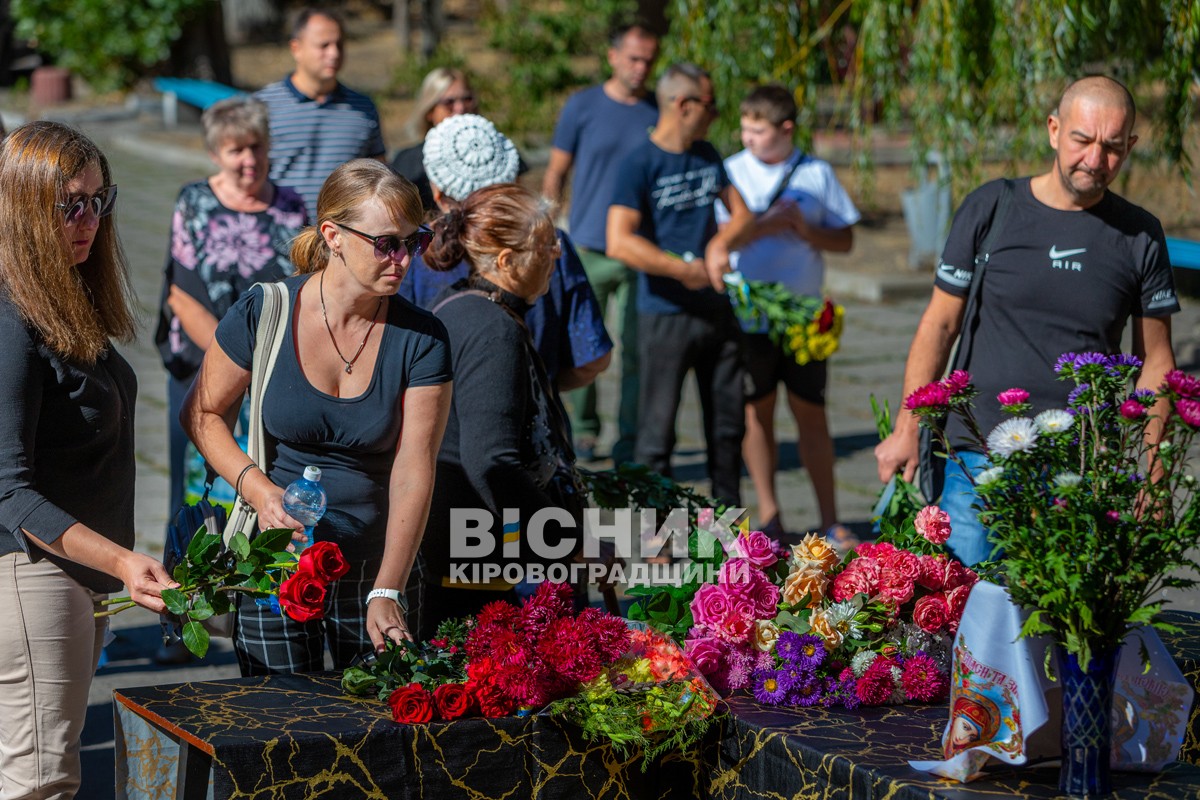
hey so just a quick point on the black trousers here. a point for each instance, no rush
(669, 346)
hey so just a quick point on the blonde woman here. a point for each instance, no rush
(66, 449)
(361, 389)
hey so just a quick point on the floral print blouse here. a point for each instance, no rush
(216, 255)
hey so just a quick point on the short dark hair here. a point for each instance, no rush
(301, 20)
(772, 103)
(617, 37)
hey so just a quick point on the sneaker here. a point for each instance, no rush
(841, 538)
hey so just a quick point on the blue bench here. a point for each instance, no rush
(1183, 253)
(192, 91)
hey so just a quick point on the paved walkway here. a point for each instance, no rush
(870, 362)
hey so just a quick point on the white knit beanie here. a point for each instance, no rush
(465, 153)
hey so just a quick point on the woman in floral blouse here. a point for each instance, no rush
(229, 232)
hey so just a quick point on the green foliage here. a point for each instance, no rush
(108, 44)
(548, 51)
(443, 659)
(970, 79)
(904, 499)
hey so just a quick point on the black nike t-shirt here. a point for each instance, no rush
(1055, 281)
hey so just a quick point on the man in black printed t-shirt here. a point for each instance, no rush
(1071, 263)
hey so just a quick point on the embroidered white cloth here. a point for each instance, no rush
(1004, 709)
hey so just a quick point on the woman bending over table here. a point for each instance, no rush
(361, 389)
(66, 449)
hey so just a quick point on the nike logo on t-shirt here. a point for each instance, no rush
(1054, 253)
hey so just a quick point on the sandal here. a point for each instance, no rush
(841, 538)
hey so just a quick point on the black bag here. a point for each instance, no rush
(931, 464)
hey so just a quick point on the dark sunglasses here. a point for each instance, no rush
(387, 245)
(101, 204)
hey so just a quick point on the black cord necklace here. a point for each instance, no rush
(374, 318)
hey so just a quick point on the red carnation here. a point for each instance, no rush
(411, 704)
(302, 596)
(325, 560)
(453, 700)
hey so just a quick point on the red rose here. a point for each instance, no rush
(895, 587)
(825, 320)
(931, 613)
(302, 596)
(933, 572)
(325, 560)
(956, 602)
(411, 704)
(492, 702)
(452, 700)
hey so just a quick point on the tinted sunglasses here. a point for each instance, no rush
(467, 101)
(387, 245)
(101, 204)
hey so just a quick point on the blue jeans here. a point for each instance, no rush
(968, 538)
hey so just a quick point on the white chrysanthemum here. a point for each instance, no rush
(841, 618)
(1054, 421)
(1066, 480)
(988, 476)
(1012, 436)
(861, 660)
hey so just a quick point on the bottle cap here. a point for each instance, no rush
(312, 474)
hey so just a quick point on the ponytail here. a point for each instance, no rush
(447, 250)
(309, 251)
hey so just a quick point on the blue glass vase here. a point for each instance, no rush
(1087, 697)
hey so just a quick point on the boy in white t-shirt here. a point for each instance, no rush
(811, 214)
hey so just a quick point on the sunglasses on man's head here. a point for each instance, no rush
(388, 244)
(101, 204)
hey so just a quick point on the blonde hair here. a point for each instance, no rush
(75, 308)
(342, 196)
(432, 88)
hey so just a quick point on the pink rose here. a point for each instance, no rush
(931, 613)
(756, 548)
(958, 575)
(866, 549)
(735, 571)
(743, 608)
(906, 563)
(707, 653)
(710, 605)
(933, 572)
(956, 601)
(851, 582)
(766, 600)
(933, 524)
(895, 587)
(736, 628)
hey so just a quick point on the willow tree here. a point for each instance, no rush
(969, 78)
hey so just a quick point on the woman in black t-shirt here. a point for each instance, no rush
(361, 389)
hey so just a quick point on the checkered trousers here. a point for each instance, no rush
(268, 643)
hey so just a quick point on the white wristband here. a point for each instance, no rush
(391, 594)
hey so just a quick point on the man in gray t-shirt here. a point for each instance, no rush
(598, 127)
(1072, 263)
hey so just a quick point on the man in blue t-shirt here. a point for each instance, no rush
(661, 223)
(317, 124)
(597, 129)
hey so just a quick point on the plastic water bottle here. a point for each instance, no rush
(304, 501)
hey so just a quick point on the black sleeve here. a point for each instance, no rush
(237, 330)
(967, 232)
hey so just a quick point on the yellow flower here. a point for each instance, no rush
(806, 579)
(813, 547)
(765, 634)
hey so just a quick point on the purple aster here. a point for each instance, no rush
(1077, 392)
(806, 692)
(787, 646)
(1089, 359)
(1146, 397)
(849, 695)
(811, 652)
(1125, 360)
(792, 675)
(1065, 363)
(769, 690)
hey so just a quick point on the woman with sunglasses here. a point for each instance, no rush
(445, 92)
(506, 444)
(66, 449)
(361, 389)
(228, 232)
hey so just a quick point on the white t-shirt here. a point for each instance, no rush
(815, 189)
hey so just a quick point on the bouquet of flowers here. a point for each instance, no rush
(806, 628)
(1093, 505)
(505, 660)
(809, 328)
(210, 572)
(652, 699)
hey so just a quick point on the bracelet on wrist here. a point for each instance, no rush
(394, 595)
(237, 487)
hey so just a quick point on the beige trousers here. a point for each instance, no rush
(49, 646)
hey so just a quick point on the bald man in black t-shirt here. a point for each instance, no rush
(1071, 263)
